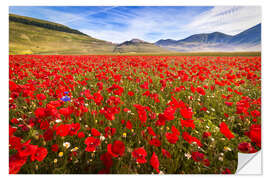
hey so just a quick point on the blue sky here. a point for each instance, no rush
(149, 23)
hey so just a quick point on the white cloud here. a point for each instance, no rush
(226, 19)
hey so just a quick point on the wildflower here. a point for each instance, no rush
(166, 153)
(227, 148)
(102, 138)
(58, 120)
(54, 148)
(39, 154)
(155, 162)
(95, 132)
(197, 156)
(246, 147)
(206, 134)
(65, 98)
(60, 154)
(171, 137)
(220, 158)
(74, 149)
(225, 131)
(91, 143)
(255, 134)
(139, 154)
(66, 145)
(116, 149)
(187, 155)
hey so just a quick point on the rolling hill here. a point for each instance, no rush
(35, 36)
(248, 40)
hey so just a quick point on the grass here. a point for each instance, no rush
(28, 39)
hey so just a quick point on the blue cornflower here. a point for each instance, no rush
(65, 98)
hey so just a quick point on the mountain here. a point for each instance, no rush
(249, 36)
(138, 46)
(166, 42)
(248, 40)
(34, 36)
(215, 37)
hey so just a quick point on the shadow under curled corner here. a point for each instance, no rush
(249, 164)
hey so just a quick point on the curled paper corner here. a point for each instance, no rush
(249, 163)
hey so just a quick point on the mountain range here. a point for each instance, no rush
(248, 40)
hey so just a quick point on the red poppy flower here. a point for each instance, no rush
(206, 134)
(186, 113)
(95, 132)
(197, 156)
(255, 113)
(129, 124)
(255, 134)
(200, 91)
(54, 148)
(161, 120)
(175, 131)
(91, 143)
(166, 153)
(40, 112)
(187, 123)
(229, 103)
(44, 125)
(130, 93)
(169, 113)
(63, 130)
(15, 163)
(14, 142)
(41, 97)
(66, 112)
(116, 149)
(39, 154)
(151, 131)
(171, 137)
(227, 171)
(73, 128)
(191, 139)
(139, 154)
(48, 134)
(109, 131)
(206, 162)
(154, 162)
(81, 135)
(27, 149)
(12, 130)
(246, 147)
(225, 130)
(155, 142)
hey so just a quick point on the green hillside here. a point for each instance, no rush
(139, 48)
(34, 36)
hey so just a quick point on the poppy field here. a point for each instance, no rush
(132, 114)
